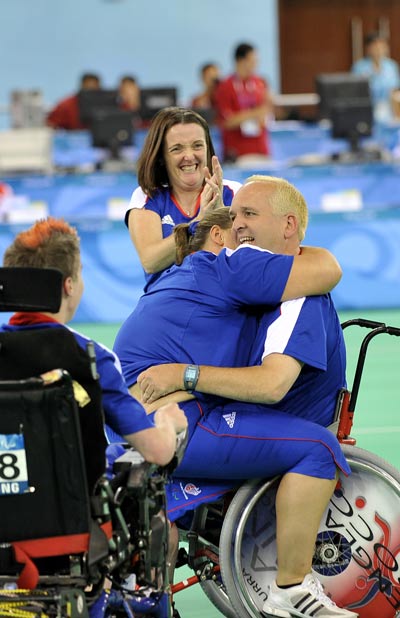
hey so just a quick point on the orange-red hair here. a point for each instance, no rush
(49, 243)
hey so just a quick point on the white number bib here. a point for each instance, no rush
(13, 469)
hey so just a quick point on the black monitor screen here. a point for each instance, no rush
(354, 120)
(345, 99)
(339, 88)
(112, 129)
(152, 100)
(91, 101)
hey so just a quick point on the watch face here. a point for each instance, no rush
(190, 374)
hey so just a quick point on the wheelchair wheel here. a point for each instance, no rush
(215, 591)
(357, 553)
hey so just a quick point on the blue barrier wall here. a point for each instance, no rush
(367, 247)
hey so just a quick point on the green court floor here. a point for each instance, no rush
(376, 420)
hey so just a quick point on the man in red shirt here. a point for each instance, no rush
(65, 114)
(242, 103)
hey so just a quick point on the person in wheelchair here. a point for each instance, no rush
(53, 243)
(240, 440)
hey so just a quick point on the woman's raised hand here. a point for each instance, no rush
(212, 194)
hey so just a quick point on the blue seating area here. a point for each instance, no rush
(354, 212)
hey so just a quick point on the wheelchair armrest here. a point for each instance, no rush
(132, 470)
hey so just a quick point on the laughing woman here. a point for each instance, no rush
(179, 177)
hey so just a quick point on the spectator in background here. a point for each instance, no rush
(65, 114)
(129, 93)
(242, 104)
(210, 77)
(383, 73)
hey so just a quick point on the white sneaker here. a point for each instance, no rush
(306, 599)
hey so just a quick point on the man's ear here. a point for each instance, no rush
(292, 225)
(68, 286)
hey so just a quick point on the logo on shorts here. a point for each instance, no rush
(230, 419)
(191, 489)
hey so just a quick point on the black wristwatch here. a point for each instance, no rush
(191, 377)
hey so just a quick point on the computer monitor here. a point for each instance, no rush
(152, 100)
(92, 101)
(345, 99)
(112, 129)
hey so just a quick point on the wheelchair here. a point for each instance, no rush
(73, 542)
(232, 542)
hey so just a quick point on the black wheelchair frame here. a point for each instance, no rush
(72, 537)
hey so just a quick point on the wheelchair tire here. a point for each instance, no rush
(357, 556)
(216, 593)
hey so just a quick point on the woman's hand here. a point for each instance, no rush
(217, 173)
(212, 194)
(172, 414)
(160, 380)
(211, 197)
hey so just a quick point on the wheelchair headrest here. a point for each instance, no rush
(30, 289)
